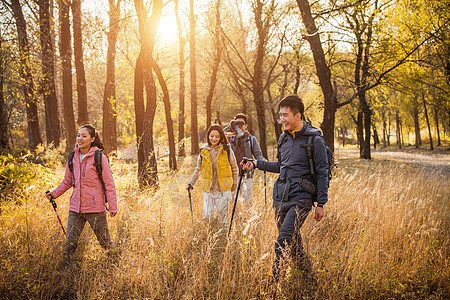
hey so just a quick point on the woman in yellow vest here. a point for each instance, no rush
(217, 165)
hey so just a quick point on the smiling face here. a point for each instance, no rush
(290, 121)
(214, 137)
(84, 140)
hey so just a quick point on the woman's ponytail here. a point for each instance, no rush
(97, 142)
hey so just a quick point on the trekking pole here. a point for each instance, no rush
(265, 189)
(244, 161)
(190, 203)
(52, 201)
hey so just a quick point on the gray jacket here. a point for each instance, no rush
(252, 150)
(293, 163)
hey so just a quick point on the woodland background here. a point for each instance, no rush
(151, 76)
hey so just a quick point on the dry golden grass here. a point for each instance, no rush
(384, 235)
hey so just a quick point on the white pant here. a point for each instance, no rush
(216, 201)
(246, 191)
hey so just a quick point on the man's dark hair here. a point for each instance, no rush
(241, 116)
(295, 104)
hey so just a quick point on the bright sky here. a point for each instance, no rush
(167, 30)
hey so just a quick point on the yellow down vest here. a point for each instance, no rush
(224, 173)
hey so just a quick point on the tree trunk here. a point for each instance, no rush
(389, 129)
(383, 116)
(360, 131)
(399, 136)
(66, 64)
(3, 107)
(428, 121)
(48, 74)
(297, 79)
(147, 166)
(109, 97)
(79, 63)
(34, 133)
(436, 120)
(376, 139)
(216, 62)
(139, 109)
(182, 87)
(276, 124)
(258, 74)
(323, 73)
(417, 126)
(169, 121)
(193, 70)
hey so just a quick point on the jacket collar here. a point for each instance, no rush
(302, 131)
(90, 152)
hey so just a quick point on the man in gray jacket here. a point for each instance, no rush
(291, 200)
(245, 145)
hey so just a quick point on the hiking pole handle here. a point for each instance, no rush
(52, 199)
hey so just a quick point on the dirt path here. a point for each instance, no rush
(435, 162)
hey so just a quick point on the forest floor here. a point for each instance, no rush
(438, 160)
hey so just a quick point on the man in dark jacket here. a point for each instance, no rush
(291, 200)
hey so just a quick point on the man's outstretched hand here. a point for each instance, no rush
(249, 165)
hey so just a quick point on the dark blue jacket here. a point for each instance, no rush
(293, 163)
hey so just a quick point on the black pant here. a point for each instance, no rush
(290, 217)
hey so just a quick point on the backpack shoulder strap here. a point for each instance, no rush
(98, 166)
(309, 151)
(70, 164)
(98, 161)
(282, 139)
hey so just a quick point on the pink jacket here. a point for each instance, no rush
(87, 195)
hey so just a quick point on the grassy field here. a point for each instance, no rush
(385, 235)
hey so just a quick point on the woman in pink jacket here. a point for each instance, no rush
(87, 203)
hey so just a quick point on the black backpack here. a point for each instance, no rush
(310, 152)
(98, 166)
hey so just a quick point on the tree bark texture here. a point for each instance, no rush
(48, 74)
(3, 107)
(182, 85)
(428, 121)
(383, 117)
(139, 108)
(418, 140)
(215, 35)
(66, 64)
(34, 133)
(168, 113)
(79, 63)
(193, 72)
(398, 131)
(436, 120)
(360, 130)
(323, 73)
(258, 76)
(109, 96)
(147, 166)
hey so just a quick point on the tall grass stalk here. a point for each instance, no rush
(384, 235)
